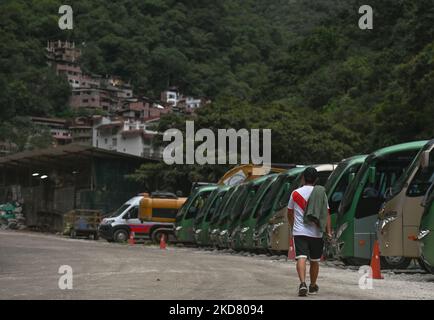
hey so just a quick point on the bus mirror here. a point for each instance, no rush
(351, 177)
(337, 196)
(192, 210)
(424, 163)
(371, 175)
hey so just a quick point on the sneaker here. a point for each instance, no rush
(302, 290)
(313, 289)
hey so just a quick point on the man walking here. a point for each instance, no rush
(308, 216)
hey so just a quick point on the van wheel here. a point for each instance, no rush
(395, 262)
(156, 236)
(120, 236)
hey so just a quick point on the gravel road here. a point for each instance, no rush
(29, 269)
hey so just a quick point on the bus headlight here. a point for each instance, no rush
(276, 226)
(244, 230)
(388, 218)
(341, 229)
(423, 234)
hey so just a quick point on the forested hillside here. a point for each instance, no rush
(302, 68)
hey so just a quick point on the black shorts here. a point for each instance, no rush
(308, 248)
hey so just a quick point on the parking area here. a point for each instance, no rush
(30, 262)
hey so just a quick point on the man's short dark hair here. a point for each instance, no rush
(310, 175)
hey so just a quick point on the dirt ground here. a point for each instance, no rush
(30, 262)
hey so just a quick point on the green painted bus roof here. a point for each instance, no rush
(293, 171)
(355, 159)
(206, 188)
(262, 179)
(399, 147)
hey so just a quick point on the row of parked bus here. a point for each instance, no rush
(385, 196)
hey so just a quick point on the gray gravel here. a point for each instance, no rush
(29, 264)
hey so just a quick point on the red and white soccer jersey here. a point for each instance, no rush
(298, 202)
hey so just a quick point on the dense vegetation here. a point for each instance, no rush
(302, 68)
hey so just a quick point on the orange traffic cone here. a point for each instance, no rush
(291, 251)
(163, 241)
(375, 262)
(131, 239)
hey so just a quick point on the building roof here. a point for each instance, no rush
(49, 120)
(64, 156)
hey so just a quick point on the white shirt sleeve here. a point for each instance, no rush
(291, 203)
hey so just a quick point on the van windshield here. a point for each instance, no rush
(119, 211)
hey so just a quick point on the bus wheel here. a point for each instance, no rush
(120, 235)
(425, 266)
(157, 234)
(352, 261)
(395, 262)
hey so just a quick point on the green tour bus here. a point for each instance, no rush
(399, 218)
(338, 182)
(358, 211)
(279, 230)
(229, 214)
(282, 184)
(203, 220)
(241, 237)
(426, 231)
(214, 226)
(186, 215)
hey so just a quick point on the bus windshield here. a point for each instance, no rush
(214, 206)
(239, 203)
(403, 179)
(389, 168)
(257, 189)
(208, 204)
(271, 196)
(422, 180)
(428, 199)
(222, 205)
(351, 190)
(335, 175)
